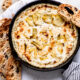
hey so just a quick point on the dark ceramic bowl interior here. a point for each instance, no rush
(14, 53)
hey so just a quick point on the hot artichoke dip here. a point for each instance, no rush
(42, 38)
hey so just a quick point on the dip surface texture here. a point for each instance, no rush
(42, 38)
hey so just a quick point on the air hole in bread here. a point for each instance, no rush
(6, 56)
(3, 66)
(17, 70)
(69, 10)
(2, 75)
(12, 67)
(1, 35)
(12, 74)
(76, 9)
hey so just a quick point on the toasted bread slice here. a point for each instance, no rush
(70, 13)
(67, 11)
(10, 69)
(6, 4)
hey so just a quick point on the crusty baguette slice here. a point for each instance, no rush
(70, 13)
(6, 4)
(10, 69)
(67, 11)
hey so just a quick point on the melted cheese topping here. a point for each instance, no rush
(42, 38)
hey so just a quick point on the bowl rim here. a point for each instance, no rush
(14, 53)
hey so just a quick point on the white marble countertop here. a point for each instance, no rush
(1, 1)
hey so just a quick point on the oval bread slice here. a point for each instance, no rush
(10, 69)
(70, 13)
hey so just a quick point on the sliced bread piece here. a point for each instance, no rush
(6, 4)
(67, 11)
(4, 46)
(6, 58)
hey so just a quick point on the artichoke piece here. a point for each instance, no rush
(60, 49)
(47, 18)
(36, 43)
(35, 53)
(57, 20)
(54, 55)
(62, 37)
(27, 37)
(33, 50)
(36, 19)
(43, 58)
(60, 44)
(34, 32)
(50, 32)
(28, 33)
(29, 20)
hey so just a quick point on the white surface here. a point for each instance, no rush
(1, 2)
(28, 74)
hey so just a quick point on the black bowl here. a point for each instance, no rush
(14, 53)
